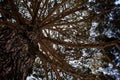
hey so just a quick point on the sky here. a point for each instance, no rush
(117, 2)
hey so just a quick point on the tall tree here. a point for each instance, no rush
(54, 33)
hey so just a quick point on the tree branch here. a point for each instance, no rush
(91, 45)
(52, 11)
(17, 15)
(8, 24)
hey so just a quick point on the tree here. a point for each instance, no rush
(54, 33)
(107, 28)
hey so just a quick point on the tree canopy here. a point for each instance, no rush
(59, 39)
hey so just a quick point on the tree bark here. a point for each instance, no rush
(17, 54)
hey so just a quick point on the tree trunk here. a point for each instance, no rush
(17, 54)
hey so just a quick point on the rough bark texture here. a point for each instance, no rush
(16, 54)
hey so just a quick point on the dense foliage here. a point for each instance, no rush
(59, 39)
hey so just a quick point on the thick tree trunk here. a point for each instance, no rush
(16, 54)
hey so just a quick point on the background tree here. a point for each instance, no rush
(66, 38)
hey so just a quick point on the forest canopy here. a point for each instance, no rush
(59, 39)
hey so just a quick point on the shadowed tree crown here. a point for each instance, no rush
(59, 39)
